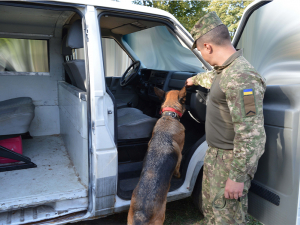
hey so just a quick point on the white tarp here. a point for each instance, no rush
(116, 61)
(23, 55)
(158, 49)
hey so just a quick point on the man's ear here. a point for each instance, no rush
(160, 93)
(182, 95)
(208, 48)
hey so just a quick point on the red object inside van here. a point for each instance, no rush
(14, 144)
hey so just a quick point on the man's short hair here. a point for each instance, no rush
(218, 36)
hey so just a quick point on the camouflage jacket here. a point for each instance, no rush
(244, 90)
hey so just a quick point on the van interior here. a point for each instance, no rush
(138, 108)
(44, 96)
(38, 104)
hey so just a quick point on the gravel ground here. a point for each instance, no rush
(181, 212)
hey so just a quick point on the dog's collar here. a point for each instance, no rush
(168, 111)
(172, 114)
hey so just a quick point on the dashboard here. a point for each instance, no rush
(165, 80)
(171, 80)
(155, 78)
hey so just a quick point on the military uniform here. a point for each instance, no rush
(234, 130)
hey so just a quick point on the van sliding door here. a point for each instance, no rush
(270, 40)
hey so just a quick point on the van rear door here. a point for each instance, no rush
(269, 34)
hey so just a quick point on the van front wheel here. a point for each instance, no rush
(197, 192)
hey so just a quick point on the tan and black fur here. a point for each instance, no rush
(163, 158)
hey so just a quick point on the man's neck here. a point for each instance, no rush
(223, 54)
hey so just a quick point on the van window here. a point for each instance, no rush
(23, 55)
(116, 61)
(158, 49)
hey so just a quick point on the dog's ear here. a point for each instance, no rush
(160, 93)
(182, 95)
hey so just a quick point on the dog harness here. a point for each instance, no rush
(168, 111)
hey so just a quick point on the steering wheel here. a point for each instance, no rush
(130, 73)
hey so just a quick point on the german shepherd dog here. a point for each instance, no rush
(163, 158)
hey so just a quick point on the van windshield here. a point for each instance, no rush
(158, 49)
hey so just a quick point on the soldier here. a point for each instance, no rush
(234, 123)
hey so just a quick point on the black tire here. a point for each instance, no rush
(197, 192)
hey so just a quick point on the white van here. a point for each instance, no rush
(87, 69)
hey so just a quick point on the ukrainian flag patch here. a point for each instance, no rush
(248, 102)
(248, 91)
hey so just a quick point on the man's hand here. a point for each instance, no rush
(189, 82)
(233, 189)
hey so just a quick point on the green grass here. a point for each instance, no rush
(181, 212)
(252, 221)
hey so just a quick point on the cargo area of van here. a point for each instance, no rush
(32, 66)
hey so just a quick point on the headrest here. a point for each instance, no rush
(74, 38)
(64, 49)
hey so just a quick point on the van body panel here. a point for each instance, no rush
(73, 126)
(119, 6)
(275, 54)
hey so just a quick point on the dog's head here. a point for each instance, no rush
(174, 98)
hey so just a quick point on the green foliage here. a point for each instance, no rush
(189, 12)
(229, 11)
(186, 12)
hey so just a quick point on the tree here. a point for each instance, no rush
(189, 12)
(186, 12)
(229, 11)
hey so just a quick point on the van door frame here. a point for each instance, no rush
(196, 158)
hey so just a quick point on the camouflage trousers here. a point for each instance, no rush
(217, 165)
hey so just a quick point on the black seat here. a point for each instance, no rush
(134, 124)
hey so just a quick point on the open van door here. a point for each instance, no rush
(269, 35)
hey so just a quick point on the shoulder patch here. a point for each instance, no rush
(249, 102)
